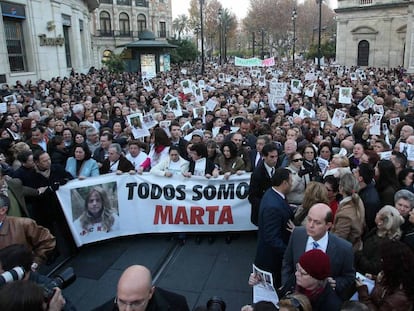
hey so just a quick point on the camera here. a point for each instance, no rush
(216, 303)
(15, 274)
(62, 280)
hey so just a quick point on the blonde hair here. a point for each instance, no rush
(304, 302)
(391, 222)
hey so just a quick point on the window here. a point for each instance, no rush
(124, 24)
(142, 23)
(67, 46)
(143, 3)
(15, 44)
(105, 22)
(163, 30)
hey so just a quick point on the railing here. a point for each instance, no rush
(162, 34)
(141, 3)
(107, 1)
(105, 33)
(365, 2)
(124, 2)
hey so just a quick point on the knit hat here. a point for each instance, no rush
(316, 263)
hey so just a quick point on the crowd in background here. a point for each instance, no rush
(78, 127)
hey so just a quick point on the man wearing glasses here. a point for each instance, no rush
(136, 292)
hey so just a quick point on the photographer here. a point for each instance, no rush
(28, 296)
(18, 255)
(25, 231)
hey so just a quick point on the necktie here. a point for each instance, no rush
(272, 172)
(315, 245)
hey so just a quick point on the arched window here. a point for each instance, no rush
(363, 53)
(105, 21)
(142, 23)
(124, 24)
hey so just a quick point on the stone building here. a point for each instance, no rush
(374, 33)
(118, 22)
(42, 39)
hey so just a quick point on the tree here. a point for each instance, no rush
(114, 63)
(211, 21)
(274, 18)
(186, 51)
(181, 25)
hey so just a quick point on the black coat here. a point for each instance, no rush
(260, 181)
(124, 165)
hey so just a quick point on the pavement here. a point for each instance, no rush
(196, 271)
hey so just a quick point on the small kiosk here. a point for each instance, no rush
(147, 55)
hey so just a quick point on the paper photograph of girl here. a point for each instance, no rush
(97, 216)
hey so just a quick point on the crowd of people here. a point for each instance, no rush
(328, 200)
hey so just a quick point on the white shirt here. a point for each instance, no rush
(200, 167)
(323, 243)
(137, 161)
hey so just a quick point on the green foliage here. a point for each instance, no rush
(328, 50)
(114, 63)
(186, 51)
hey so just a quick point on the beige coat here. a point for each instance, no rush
(349, 222)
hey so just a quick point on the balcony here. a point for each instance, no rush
(365, 2)
(162, 34)
(123, 33)
(142, 3)
(106, 1)
(124, 2)
(105, 33)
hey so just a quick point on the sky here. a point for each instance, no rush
(239, 7)
(181, 7)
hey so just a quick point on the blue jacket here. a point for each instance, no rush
(89, 168)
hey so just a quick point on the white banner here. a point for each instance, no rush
(107, 206)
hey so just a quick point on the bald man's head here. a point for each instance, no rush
(135, 287)
(318, 221)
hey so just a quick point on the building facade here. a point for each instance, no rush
(118, 22)
(374, 33)
(44, 38)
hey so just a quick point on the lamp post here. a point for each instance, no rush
(319, 33)
(202, 36)
(294, 16)
(220, 14)
(263, 33)
(253, 38)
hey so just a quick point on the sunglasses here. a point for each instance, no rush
(297, 160)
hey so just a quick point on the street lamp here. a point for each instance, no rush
(220, 14)
(202, 36)
(319, 33)
(263, 33)
(294, 16)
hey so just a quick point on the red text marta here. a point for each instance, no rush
(197, 215)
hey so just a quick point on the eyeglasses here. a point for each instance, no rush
(297, 160)
(300, 270)
(133, 304)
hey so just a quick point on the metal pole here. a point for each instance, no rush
(202, 36)
(319, 35)
(294, 15)
(253, 42)
(262, 43)
(220, 12)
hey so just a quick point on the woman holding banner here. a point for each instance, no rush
(173, 165)
(98, 215)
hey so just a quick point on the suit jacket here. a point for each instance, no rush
(17, 193)
(252, 156)
(272, 235)
(260, 181)
(124, 165)
(340, 254)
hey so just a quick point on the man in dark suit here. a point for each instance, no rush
(255, 155)
(116, 162)
(135, 291)
(317, 236)
(274, 215)
(261, 179)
